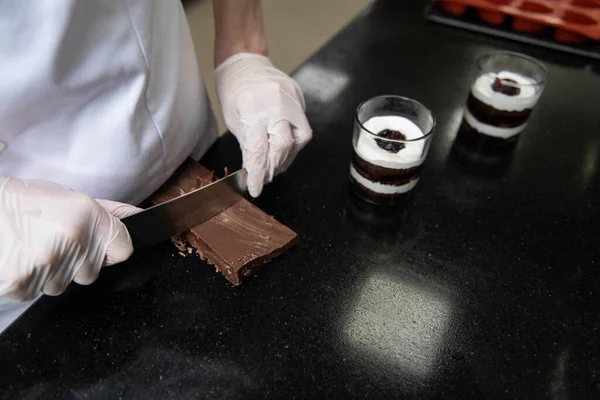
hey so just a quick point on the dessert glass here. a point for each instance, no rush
(391, 139)
(501, 99)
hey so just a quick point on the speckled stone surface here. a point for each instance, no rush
(484, 287)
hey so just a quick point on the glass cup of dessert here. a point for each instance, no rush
(502, 97)
(392, 136)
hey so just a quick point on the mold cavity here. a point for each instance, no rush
(577, 18)
(586, 3)
(535, 8)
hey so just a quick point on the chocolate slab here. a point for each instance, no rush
(239, 240)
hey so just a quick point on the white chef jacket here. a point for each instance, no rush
(102, 96)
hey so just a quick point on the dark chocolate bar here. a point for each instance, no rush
(239, 240)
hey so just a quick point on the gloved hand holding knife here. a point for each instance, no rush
(50, 234)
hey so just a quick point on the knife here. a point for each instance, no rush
(168, 219)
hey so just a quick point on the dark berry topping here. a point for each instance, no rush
(500, 86)
(390, 146)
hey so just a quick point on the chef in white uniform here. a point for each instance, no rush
(100, 102)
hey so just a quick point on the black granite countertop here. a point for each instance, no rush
(485, 287)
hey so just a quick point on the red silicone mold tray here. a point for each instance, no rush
(574, 21)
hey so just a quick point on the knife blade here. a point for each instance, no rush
(168, 219)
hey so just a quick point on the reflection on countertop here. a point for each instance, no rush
(398, 322)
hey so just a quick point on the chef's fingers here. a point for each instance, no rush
(24, 287)
(119, 210)
(301, 134)
(281, 143)
(118, 243)
(87, 273)
(64, 268)
(255, 151)
(119, 246)
(291, 156)
(59, 282)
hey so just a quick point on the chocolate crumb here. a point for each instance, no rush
(179, 243)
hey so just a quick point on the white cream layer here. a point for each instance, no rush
(410, 156)
(492, 130)
(380, 187)
(527, 97)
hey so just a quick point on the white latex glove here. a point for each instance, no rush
(50, 236)
(264, 109)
